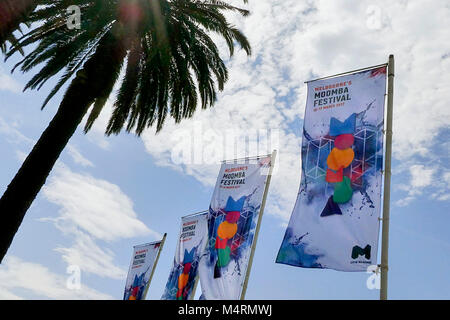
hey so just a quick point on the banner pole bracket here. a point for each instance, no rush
(383, 267)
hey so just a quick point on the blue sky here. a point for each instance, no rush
(107, 194)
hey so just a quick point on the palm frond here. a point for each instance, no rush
(173, 65)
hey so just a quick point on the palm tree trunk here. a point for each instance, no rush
(89, 82)
(12, 14)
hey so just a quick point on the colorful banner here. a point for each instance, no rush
(232, 220)
(334, 224)
(141, 267)
(191, 243)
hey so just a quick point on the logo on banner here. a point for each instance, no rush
(358, 251)
(226, 231)
(340, 158)
(183, 279)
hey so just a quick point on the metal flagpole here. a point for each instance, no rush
(387, 182)
(194, 289)
(246, 158)
(154, 265)
(258, 225)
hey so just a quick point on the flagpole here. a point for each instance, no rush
(154, 265)
(258, 225)
(195, 214)
(236, 160)
(195, 288)
(387, 182)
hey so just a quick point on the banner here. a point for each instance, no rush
(141, 267)
(335, 221)
(191, 243)
(232, 220)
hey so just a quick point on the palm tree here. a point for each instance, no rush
(12, 14)
(172, 65)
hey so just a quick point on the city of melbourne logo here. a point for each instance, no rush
(358, 251)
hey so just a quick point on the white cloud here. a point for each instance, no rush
(92, 210)
(12, 134)
(421, 177)
(38, 282)
(95, 206)
(442, 190)
(77, 157)
(7, 83)
(86, 254)
(404, 201)
(21, 156)
(441, 196)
